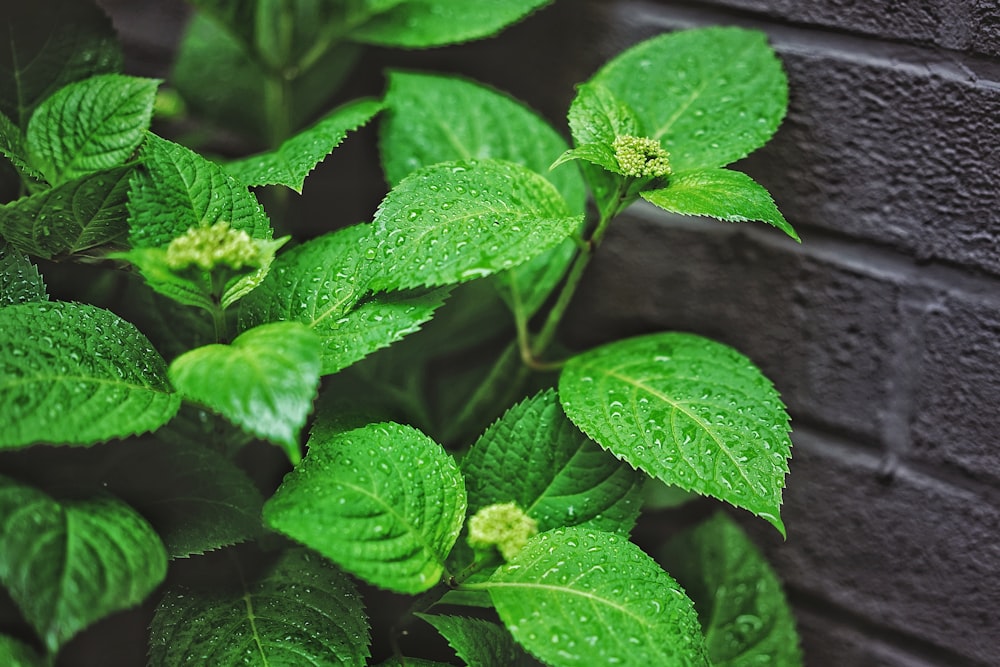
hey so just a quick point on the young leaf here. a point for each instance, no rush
(385, 502)
(597, 117)
(20, 281)
(535, 457)
(303, 610)
(265, 381)
(479, 642)
(13, 147)
(178, 189)
(738, 596)
(423, 23)
(89, 126)
(719, 193)
(79, 215)
(48, 44)
(14, 653)
(456, 221)
(77, 375)
(290, 163)
(577, 596)
(712, 95)
(687, 410)
(69, 564)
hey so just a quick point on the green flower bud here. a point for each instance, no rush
(641, 157)
(207, 247)
(504, 526)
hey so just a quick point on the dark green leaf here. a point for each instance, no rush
(69, 564)
(719, 193)
(76, 374)
(689, 411)
(14, 653)
(479, 642)
(302, 611)
(19, 278)
(738, 596)
(12, 146)
(411, 662)
(575, 596)
(385, 502)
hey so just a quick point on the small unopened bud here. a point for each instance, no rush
(208, 247)
(504, 525)
(641, 157)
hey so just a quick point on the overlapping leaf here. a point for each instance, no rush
(384, 501)
(302, 610)
(479, 642)
(15, 149)
(689, 411)
(14, 653)
(76, 374)
(20, 281)
(535, 457)
(576, 596)
(69, 564)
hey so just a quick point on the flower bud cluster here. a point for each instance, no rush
(504, 525)
(641, 157)
(207, 247)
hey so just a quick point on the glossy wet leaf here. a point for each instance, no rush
(14, 653)
(69, 564)
(89, 126)
(177, 189)
(578, 596)
(738, 596)
(264, 381)
(423, 23)
(456, 221)
(479, 642)
(291, 162)
(384, 501)
(85, 214)
(20, 281)
(687, 410)
(302, 610)
(535, 457)
(711, 95)
(77, 375)
(719, 193)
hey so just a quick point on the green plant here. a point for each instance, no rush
(512, 545)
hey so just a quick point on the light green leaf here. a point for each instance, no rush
(85, 214)
(90, 125)
(535, 457)
(456, 221)
(77, 375)
(600, 154)
(719, 193)
(712, 95)
(296, 157)
(178, 189)
(264, 381)
(20, 281)
(738, 596)
(423, 23)
(48, 44)
(479, 642)
(687, 410)
(597, 117)
(603, 601)
(302, 610)
(385, 502)
(12, 146)
(14, 653)
(69, 564)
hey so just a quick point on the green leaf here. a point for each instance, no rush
(69, 564)
(264, 381)
(195, 498)
(738, 596)
(535, 457)
(597, 117)
(479, 642)
(90, 126)
(456, 221)
(13, 147)
(600, 154)
(48, 44)
(411, 662)
(20, 281)
(423, 23)
(302, 610)
(385, 502)
(77, 375)
(602, 600)
(85, 214)
(178, 189)
(719, 193)
(689, 411)
(14, 653)
(712, 95)
(296, 157)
